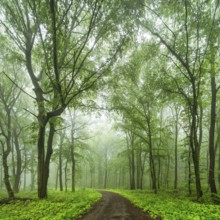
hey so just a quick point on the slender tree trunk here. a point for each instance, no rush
(151, 157)
(73, 167)
(212, 138)
(66, 175)
(159, 172)
(131, 158)
(138, 169)
(60, 165)
(13, 167)
(176, 149)
(105, 176)
(219, 167)
(189, 172)
(1, 179)
(168, 170)
(56, 179)
(132, 168)
(18, 163)
(142, 169)
(33, 171)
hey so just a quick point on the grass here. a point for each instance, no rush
(170, 207)
(58, 206)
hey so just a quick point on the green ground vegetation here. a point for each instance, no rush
(172, 206)
(59, 205)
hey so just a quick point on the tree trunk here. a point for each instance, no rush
(142, 169)
(168, 170)
(138, 165)
(48, 155)
(189, 172)
(18, 163)
(60, 165)
(159, 172)
(1, 178)
(151, 158)
(105, 175)
(33, 171)
(194, 143)
(66, 179)
(6, 154)
(6, 176)
(25, 167)
(56, 179)
(73, 170)
(212, 150)
(41, 155)
(212, 138)
(73, 167)
(219, 167)
(132, 168)
(176, 150)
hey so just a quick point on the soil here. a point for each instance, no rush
(115, 207)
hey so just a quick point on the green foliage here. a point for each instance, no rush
(59, 205)
(170, 207)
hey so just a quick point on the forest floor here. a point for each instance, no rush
(115, 207)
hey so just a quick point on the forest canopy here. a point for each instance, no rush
(110, 94)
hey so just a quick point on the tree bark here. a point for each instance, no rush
(18, 163)
(41, 156)
(49, 154)
(212, 138)
(189, 172)
(61, 164)
(6, 177)
(66, 179)
(151, 157)
(176, 149)
(6, 154)
(73, 167)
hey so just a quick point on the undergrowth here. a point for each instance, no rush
(58, 206)
(172, 207)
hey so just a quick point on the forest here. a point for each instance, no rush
(119, 95)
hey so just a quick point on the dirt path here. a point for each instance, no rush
(115, 207)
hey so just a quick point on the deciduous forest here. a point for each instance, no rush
(99, 96)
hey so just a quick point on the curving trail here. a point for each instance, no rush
(115, 207)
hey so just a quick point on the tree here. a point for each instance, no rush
(8, 98)
(181, 36)
(62, 45)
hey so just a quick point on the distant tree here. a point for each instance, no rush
(8, 97)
